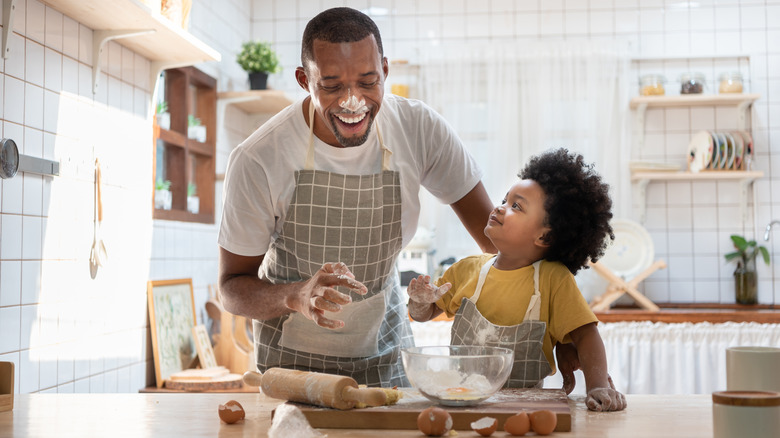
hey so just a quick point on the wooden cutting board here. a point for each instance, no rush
(403, 415)
(208, 379)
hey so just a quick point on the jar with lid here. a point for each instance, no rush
(652, 85)
(691, 83)
(730, 82)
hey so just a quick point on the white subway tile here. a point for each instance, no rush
(85, 45)
(36, 19)
(477, 26)
(707, 291)
(70, 37)
(70, 76)
(14, 101)
(526, 24)
(10, 282)
(11, 227)
(29, 374)
(34, 67)
(10, 326)
(551, 23)
(31, 281)
(576, 22)
(33, 197)
(52, 70)
(33, 106)
(53, 29)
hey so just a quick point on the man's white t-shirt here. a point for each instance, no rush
(260, 176)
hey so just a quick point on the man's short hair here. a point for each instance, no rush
(338, 25)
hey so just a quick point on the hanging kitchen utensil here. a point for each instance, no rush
(102, 255)
(93, 261)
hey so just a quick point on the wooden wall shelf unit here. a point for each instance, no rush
(141, 30)
(182, 160)
(743, 102)
(743, 177)
(695, 312)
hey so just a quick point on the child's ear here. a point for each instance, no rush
(542, 239)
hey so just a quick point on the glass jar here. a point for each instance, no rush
(652, 85)
(730, 82)
(691, 83)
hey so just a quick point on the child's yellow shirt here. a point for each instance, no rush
(506, 294)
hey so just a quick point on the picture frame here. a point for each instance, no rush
(171, 319)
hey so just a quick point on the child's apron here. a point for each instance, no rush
(525, 339)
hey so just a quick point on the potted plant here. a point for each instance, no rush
(745, 278)
(162, 115)
(195, 130)
(259, 60)
(162, 195)
(193, 202)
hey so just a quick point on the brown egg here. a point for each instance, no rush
(485, 426)
(434, 421)
(543, 422)
(231, 412)
(517, 424)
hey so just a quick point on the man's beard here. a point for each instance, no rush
(349, 142)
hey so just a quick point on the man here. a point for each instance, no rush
(324, 196)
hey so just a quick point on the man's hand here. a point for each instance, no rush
(606, 399)
(568, 363)
(318, 294)
(422, 296)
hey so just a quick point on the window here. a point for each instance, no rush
(185, 155)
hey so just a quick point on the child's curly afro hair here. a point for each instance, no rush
(578, 207)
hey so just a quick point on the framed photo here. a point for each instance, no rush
(171, 317)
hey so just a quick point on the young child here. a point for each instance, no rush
(549, 225)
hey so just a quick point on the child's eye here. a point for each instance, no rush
(516, 205)
(503, 201)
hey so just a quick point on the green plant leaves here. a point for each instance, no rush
(257, 56)
(746, 251)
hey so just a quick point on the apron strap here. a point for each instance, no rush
(535, 305)
(385, 151)
(481, 281)
(310, 153)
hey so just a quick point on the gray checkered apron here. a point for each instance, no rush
(471, 328)
(354, 219)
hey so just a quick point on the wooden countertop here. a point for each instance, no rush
(699, 312)
(195, 415)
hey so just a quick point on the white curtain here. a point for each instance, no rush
(509, 102)
(681, 358)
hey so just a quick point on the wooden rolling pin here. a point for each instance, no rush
(328, 390)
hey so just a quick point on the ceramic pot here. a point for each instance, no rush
(258, 81)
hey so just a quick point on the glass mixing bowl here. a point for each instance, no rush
(457, 375)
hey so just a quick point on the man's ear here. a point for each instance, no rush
(303, 80)
(385, 68)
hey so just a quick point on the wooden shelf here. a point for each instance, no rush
(689, 100)
(688, 312)
(169, 43)
(745, 178)
(703, 175)
(255, 101)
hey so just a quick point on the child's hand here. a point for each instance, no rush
(605, 399)
(422, 291)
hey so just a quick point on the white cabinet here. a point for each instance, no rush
(744, 178)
